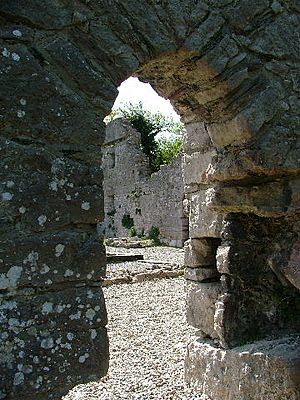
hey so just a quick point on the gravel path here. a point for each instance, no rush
(148, 336)
(173, 256)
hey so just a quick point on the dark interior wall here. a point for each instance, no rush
(233, 67)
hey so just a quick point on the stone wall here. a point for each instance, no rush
(130, 189)
(231, 69)
(236, 292)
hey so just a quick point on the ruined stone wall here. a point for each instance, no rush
(130, 189)
(230, 68)
(238, 291)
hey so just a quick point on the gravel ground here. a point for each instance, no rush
(164, 253)
(148, 336)
(171, 255)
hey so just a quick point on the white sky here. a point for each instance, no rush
(133, 91)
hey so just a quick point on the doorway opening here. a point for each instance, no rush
(142, 165)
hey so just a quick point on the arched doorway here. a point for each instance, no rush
(230, 79)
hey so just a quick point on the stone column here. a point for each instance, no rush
(52, 309)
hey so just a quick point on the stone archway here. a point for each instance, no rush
(231, 71)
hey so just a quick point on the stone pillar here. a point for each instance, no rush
(53, 315)
(52, 309)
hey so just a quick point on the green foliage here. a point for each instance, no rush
(108, 241)
(132, 232)
(167, 150)
(127, 221)
(141, 234)
(153, 234)
(111, 213)
(149, 125)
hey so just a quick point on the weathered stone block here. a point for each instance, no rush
(234, 131)
(200, 252)
(120, 129)
(220, 55)
(268, 369)
(283, 33)
(255, 300)
(201, 274)
(72, 189)
(202, 35)
(196, 138)
(267, 200)
(51, 341)
(222, 258)
(291, 270)
(285, 262)
(214, 93)
(56, 116)
(228, 321)
(57, 15)
(264, 106)
(104, 37)
(195, 166)
(200, 307)
(242, 15)
(90, 77)
(202, 221)
(50, 260)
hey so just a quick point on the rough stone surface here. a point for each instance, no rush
(201, 304)
(231, 69)
(288, 272)
(201, 274)
(130, 190)
(200, 252)
(202, 221)
(256, 199)
(256, 300)
(229, 374)
(52, 307)
(65, 328)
